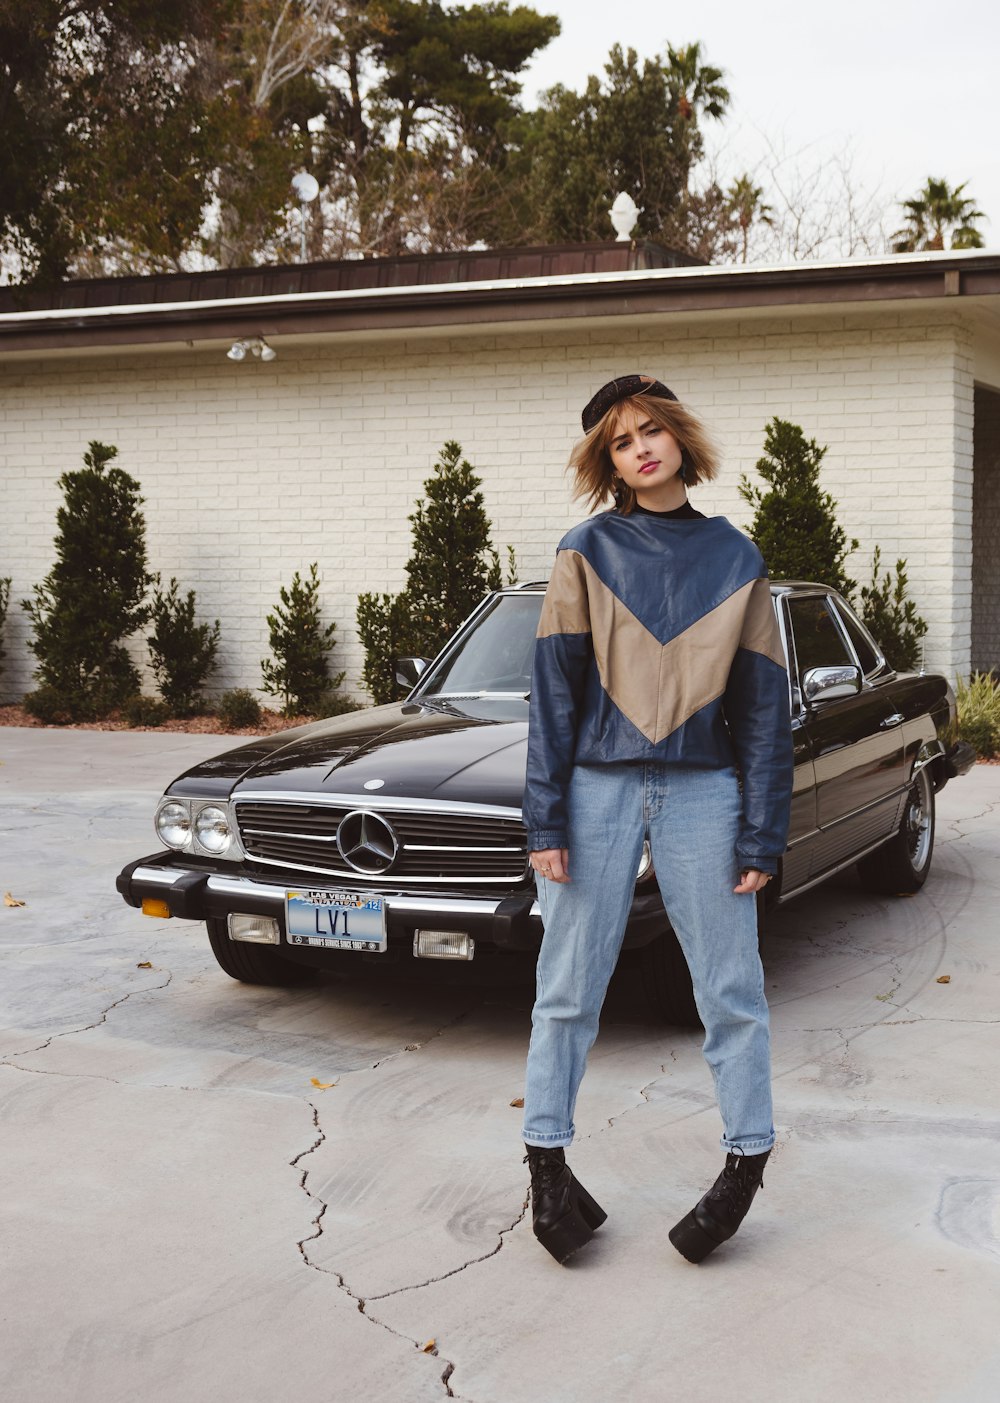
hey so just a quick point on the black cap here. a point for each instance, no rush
(623, 388)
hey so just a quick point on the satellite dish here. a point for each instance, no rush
(306, 187)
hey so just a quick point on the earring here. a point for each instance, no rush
(685, 466)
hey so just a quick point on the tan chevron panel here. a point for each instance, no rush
(564, 608)
(760, 627)
(658, 685)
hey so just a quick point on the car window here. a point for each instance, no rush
(864, 644)
(818, 640)
(496, 655)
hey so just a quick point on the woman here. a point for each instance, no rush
(659, 709)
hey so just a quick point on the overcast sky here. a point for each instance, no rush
(914, 89)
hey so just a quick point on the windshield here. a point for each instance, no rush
(496, 656)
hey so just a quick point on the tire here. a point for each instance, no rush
(901, 865)
(668, 981)
(254, 964)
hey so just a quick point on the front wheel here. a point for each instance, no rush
(901, 865)
(253, 964)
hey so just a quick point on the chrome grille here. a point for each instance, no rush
(433, 843)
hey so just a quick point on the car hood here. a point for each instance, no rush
(470, 751)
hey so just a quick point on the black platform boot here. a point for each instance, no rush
(718, 1215)
(563, 1214)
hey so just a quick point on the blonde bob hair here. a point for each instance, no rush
(591, 457)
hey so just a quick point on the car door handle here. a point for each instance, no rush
(893, 720)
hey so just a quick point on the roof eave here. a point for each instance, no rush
(892, 279)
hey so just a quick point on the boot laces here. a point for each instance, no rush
(736, 1185)
(545, 1166)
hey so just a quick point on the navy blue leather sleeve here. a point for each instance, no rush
(558, 680)
(757, 713)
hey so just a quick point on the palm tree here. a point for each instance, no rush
(932, 213)
(698, 86)
(747, 206)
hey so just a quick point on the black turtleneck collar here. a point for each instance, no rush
(682, 513)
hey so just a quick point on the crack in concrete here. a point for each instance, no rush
(417, 1047)
(362, 1301)
(70, 1032)
(415, 1286)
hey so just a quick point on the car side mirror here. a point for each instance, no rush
(408, 670)
(825, 683)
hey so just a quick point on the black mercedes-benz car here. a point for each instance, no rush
(396, 832)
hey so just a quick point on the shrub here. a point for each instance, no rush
(49, 705)
(336, 704)
(182, 652)
(299, 670)
(239, 708)
(891, 618)
(978, 701)
(451, 566)
(4, 601)
(795, 524)
(145, 711)
(94, 596)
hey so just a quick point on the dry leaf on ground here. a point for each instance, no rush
(944, 979)
(9, 900)
(518, 1101)
(145, 964)
(322, 1085)
(430, 1347)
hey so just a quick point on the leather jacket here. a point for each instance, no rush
(658, 642)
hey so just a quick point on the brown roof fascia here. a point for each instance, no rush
(687, 290)
(348, 275)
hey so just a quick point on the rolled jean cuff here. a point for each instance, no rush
(748, 1147)
(547, 1142)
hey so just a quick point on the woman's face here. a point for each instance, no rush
(644, 455)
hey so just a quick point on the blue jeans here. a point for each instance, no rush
(691, 818)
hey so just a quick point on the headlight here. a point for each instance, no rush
(645, 863)
(173, 824)
(211, 827)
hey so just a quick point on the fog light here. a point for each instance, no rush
(443, 945)
(153, 906)
(259, 930)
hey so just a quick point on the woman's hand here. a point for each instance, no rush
(752, 880)
(552, 863)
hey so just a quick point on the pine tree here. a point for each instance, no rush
(182, 652)
(452, 566)
(94, 596)
(4, 601)
(299, 673)
(795, 523)
(890, 617)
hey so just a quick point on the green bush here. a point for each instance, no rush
(978, 701)
(94, 596)
(795, 524)
(182, 652)
(452, 565)
(4, 601)
(336, 704)
(49, 705)
(298, 672)
(891, 618)
(239, 708)
(145, 711)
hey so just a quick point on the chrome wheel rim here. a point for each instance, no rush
(918, 822)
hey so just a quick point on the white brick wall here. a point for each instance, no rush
(251, 471)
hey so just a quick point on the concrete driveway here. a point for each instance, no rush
(185, 1215)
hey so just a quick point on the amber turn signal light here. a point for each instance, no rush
(152, 906)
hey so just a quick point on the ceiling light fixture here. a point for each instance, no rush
(255, 344)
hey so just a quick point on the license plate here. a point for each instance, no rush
(335, 920)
